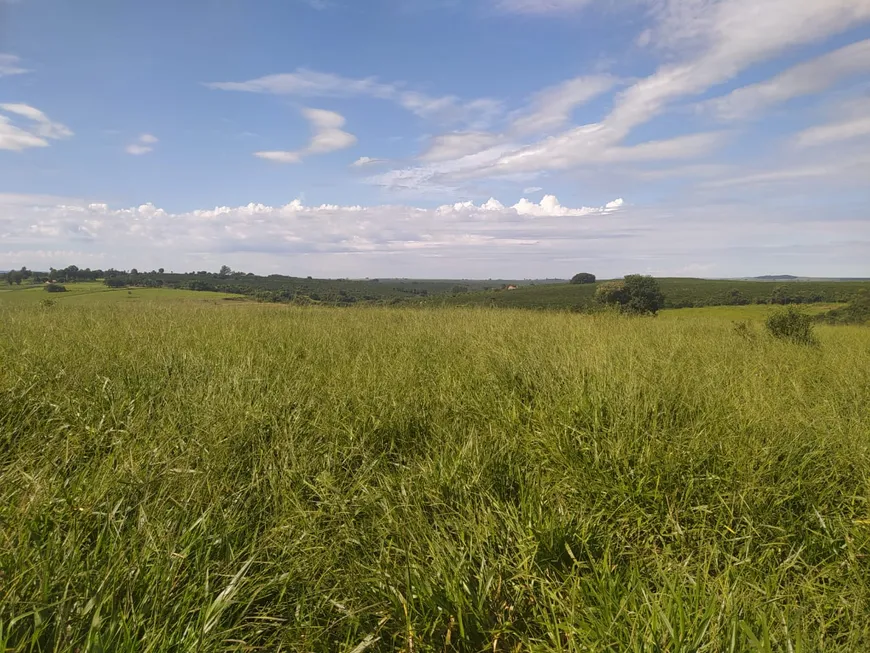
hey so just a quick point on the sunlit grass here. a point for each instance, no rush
(96, 292)
(196, 478)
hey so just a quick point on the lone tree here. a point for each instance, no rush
(583, 277)
(636, 294)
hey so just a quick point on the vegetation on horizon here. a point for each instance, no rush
(579, 294)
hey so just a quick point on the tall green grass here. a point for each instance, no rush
(238, 478)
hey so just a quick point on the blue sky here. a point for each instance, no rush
(432, 137)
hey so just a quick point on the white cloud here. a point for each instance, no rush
(280, 156)
(258, 227)
(457, 240)
(17, 139)
(37, 133)
(327, 136)
(834, 132)
(807, 78)
(143, 145)
(589, 146)
(11, 65)
(308, 83)
(552, 108)
(541, 6)
(834, 169)
(365, 161)
(711, 41)
(532, 189)
(720, 38)
(459, 144)
(550, 207)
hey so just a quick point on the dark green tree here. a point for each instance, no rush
(644, 293)
(611, 293)
(636, 294)
(583, 277)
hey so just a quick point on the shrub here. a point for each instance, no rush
(54, 287)
(792, 325)
(583, 277)
(47, 303)
(744, 330)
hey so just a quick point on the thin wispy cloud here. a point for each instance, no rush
(11, 65)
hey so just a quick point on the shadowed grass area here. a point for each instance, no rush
(201, 478)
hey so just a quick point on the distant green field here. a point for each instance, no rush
(96, 292)
(679, 293)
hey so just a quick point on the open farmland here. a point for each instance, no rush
(202, 477)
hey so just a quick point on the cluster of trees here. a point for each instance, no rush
(17, 276)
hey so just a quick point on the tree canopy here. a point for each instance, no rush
(583, 277)
(636, 294)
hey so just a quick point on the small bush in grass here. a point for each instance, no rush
(793, 325)
(54, 287)
(744, 330)
(47, 303)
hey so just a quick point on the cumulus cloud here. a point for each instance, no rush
(463, 239)
(143, 145)
(309, 83)
(807, 78)
(47, 224)
(11, 65)
(327, 136)
(36, 132)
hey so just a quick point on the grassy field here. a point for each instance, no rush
(753, 312)
(199, 477)
(96, 292)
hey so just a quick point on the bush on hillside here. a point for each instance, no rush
(792, 325)
(54, 287)
(855, 312)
